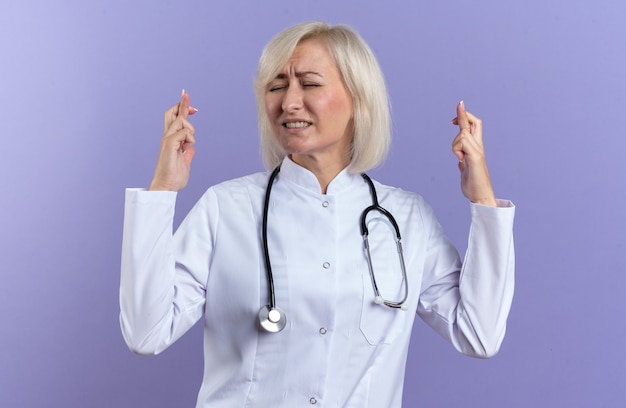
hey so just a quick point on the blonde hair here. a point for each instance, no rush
(361, 75)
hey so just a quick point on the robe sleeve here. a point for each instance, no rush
(163, 275)
(469, 303)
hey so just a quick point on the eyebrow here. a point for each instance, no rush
(300, 74)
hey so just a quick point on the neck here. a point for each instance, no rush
(324, 171)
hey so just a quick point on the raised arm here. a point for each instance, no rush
(158, 301)
(469, 303)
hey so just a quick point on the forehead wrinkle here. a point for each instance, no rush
(283, 75)
(305, 73)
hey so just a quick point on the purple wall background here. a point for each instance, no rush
(83, 87)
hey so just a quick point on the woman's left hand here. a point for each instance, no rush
(467, 146)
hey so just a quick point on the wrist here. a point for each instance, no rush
(155, 186)
(491, 201)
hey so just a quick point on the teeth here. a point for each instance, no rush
(296, 125)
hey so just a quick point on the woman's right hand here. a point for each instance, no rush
(177, 148)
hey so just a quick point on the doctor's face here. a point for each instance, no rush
(309, 107)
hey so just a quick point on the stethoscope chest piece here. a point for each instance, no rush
(272, 319)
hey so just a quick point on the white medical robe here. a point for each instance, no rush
(339, 348)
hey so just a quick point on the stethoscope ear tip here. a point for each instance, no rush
(378, 300)
(404, 307)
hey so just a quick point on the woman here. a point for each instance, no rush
(335, 319)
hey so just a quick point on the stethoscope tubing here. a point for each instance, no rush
(266, 252)
(271, 318)
(365, 233)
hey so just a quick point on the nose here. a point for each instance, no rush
(292, 98)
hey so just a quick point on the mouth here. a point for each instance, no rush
(296, 125)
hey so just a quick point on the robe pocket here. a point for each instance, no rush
(381, 324)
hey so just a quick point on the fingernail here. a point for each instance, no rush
(182, 93)
(194, 109)
(462, 103)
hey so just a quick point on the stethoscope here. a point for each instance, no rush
(272, 318)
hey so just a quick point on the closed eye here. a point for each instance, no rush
(276, 88)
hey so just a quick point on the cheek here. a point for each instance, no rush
(339, 105)
(271, 107)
